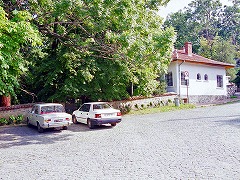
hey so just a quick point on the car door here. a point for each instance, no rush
(33, 115)
(83, 113)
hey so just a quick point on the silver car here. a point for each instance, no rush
(48, 115)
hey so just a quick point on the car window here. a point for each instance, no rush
(52, 109)
(101, 106)
(85, 108)
(35, 110)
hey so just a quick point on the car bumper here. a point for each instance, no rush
(105, 121)
(55, 125)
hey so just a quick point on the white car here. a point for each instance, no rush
(97, 113)
(48, 115)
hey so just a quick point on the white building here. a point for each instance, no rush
(197, 78)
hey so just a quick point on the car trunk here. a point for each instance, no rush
(106, 113)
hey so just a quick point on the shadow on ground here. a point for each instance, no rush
(13, 136)
(232, 122)
(79, 127)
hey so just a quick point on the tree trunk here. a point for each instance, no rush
(5, 101)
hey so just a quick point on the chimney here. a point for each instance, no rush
(175, 54)
(188, 48)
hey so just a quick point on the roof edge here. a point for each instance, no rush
(215, 63)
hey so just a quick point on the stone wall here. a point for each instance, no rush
(206, 99)
(231, 89)
(6, 112)
(126, 105)
(15, 110)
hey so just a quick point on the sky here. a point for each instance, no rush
(175, 5)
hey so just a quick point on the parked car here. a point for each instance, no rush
(97, 113)
(48, 115)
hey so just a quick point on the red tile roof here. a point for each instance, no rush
(180, 55)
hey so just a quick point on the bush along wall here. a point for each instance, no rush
(126, 106)
(12, 120)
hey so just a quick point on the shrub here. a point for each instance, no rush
(162, 103)
(161, 88)
(126, 108)
(19, 119)
(3, 121)
(15, 120)
(11, 120)
(157, 104)
(136, 106)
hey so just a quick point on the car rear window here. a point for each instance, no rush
(101, 106)
(51, 109)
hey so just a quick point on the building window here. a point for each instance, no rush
(198, 76)
(219, 81)
(184, 80)
(206, 77)
(169, 79)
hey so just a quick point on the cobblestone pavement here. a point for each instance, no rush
(201, 143)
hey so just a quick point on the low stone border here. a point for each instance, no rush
(13, 107)
(127, 105)
(15, 110)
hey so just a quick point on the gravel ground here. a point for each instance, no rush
(201, 143)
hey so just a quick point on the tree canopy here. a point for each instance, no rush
(95, 49)
(207, 19)
(15, 33)
(212, 29)
(101, 49)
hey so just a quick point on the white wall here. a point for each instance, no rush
(198, 87)
(174, 69)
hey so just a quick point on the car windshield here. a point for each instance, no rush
(52, 109)
(101, 106)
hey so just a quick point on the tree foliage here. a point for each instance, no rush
(213, 29)
(97, 48)
(221, 50)
(15, 33)
(207, 19)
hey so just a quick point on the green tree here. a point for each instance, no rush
(15, 33)
(213, 30)
(201, 18)
(185, 29)
(221, 50)
(237, 79)
(98, 48)
(206, 13)
(230, 26)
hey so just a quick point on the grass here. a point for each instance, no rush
(170, 107)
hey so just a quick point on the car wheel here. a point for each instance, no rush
(65, 127)
(74, 119)
(40, 129)
(113, 124)
(89, 123)
(28, 124)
